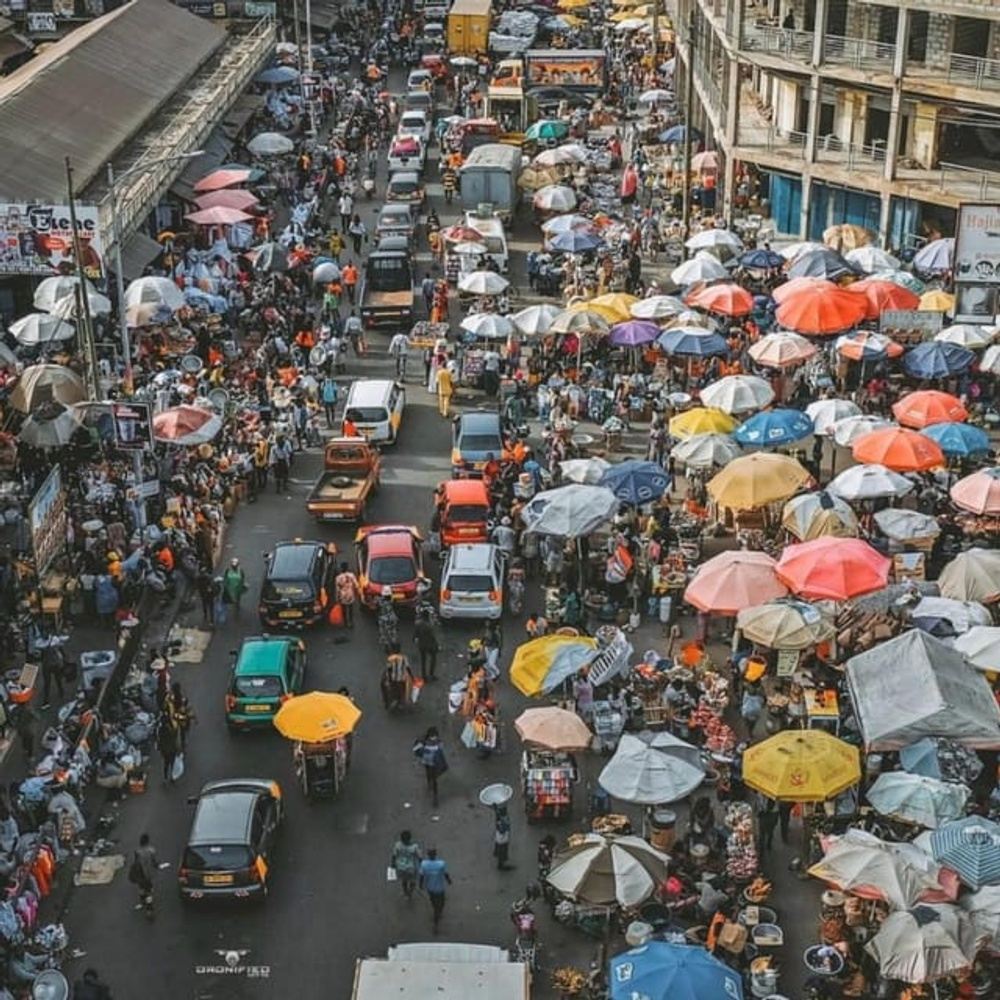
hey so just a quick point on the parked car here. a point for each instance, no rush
(228, 850)
(472, 582)
(406, 187)
(416, 122)
(407, 152)
(419, 78)
(267, 671)
(395, 219)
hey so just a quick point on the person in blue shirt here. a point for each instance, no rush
(328, 393)
(434, 878)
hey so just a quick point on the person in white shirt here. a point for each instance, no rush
(399, 347)
(345, 206)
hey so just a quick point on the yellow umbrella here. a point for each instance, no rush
(317, 717)
(543, 664)
(701, 420)
(757, 480)
(618, 304)
(937, 301)
(802, 765)
(572, 4)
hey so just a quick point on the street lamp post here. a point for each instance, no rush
(126, 345)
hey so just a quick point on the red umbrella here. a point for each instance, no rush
(864, 344)
(218, 216)
(793, 285)
(726, 299)
(898, 449)
(228, 198)
(186, 425)
(834, 569)
(222, 179)
(733, 580)
(929, 406)
(821, 311)
(881, 295)
(462, 234)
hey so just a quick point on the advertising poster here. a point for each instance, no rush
(133, 426)
(977, 245)
(47, 517)
(38, 239)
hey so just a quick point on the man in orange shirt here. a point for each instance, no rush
(349, 276)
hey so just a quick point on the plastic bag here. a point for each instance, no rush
(336, 616)
(415, 689)
(177, 770)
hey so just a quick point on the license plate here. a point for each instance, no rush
(258, 708)
(470, 599)
(289, 614)
(218, 880)
(334, 515)
(468, 531)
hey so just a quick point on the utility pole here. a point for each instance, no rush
(84, 325)
(688, 114)
(297, 29)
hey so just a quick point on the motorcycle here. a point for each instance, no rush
(522, 916)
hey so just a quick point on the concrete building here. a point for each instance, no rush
(882, 114)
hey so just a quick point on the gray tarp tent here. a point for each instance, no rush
(915, 686)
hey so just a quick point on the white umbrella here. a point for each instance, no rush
(326, 272)
(50, 428)
(818, 515)
(534, 321)
(924, 944)
(793, 251)
(41, 384)
(871, 259)
(570, 511)
(608, 870)
(936, 257)
(561, 156)
(151, 289)
(981, 647)
(781, 349)
(41, 328)
(650, 770)
(960, 616)
(656, 96)
(973, 575)
(848, 429)
(270, 144)
(555, 198)
(706, 451)
(658, 307)
(701, 267)
(824, 413)
(869, 482)
(491, 326)
(468, 248)
(916, 799)
(483, 283)
(990, 362)
(573, 222)
(57, 295)
(904, 525)
(587, 471)
(711, 238)
(964, 335)
(785, 624)
(737, 393)
(983, 908)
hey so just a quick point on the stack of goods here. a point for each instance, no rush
(741, 847)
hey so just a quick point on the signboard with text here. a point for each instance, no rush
(133, 426)
(910, 326)
(38, 238)
(977, 245)
(47, 519)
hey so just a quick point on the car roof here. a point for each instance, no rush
(390, 543)
(466, 491)
(415, 111)
(263, 655)
(223, 816)
(471, 556)
(410, 176)
(479, 422)
(395, 209)
(292, 560)
(398, 243)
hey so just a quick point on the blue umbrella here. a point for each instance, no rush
(959, 439)
(942, 759)
(935, 359)
(693, 342)
(636, 482)
(661, 971)
(676, 134)
(278, 74)
(970, 847)
(575, 242)
(773, 428)
(762, 259)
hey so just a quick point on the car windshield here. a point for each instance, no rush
(257, 687)
(366, 415)
(287, 590)
(399, 219)
(467, 512)
(392, 569)
(217, 857)
(403, 187)
(481, 442)
(469, 582)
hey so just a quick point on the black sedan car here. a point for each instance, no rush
(298, 584)
(232, 835)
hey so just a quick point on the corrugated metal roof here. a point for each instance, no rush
(90, 92)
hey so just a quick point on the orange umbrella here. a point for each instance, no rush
(218, 179)
(821, 310)
(793, 285)
(881, 295)
(727, 300)
(832, 569)
(733, 580)
(929, 406)
(899, 449)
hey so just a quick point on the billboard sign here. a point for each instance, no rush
(38, 239)
(977, 245)
(47, 519)
(133, 426)
(910, 326)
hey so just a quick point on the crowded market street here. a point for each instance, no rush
(476, 556)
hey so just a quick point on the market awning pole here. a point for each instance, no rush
(688, 113)
(85, 327)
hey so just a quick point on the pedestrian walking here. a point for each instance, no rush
(53, 668)
(328, 393)
(358, 232)
(406, 862)
(142, 873)
(347, 588)
(234, 584)
(434, 879)
(168, 742)
(350, 279)
(767, 820)
(181, 712)
(784, 819)
(399, 347)
(427, 287)
(430, 752)
(354, 330)
(445, 388)
(281, 459)
(345, 208)
(207, 594)
(501, 838)
(425, 636)
(449, 181)
(397, 679)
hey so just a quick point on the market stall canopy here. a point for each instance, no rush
(936, 300)
(795, 286)
(636, 482)
(57, 295)
(644, 770)
(608, 870)
(934, 360)
(703, 420)
(37, 329)
(583, 322)
(51, 426)
(970, 847)
(944, 760)
(693, 342)
(757, 480)
(925, 944)
(317, 717)
(228, 198)
(542, 664)
(818, 515)
(785, 624)
(903, 525)
(899, 449)
(218, 216)
(711, 239)
(703, 266)
(983, 908)
(915, 799)
(928, 406)
(569, 511)
(554, 198)
(616, 307)
(869, 482)
(871, 259)
(661, 971)
(914, 686)
(657, 307)
(727, 299)
(41, 384)
(989, 363)
(534, 321)
(944, 617)
(881, 295)
(270, 144)
(978, 493)
(793, 251)
(935, 257)
(186, 425)
(867, 346)
(489, 326)
(848, 429)
(154, 290)
(824, 413)
(775, 428)
(959, 440)
(899, 873)
(821, 312)
(732, 580)
(553, 728)
(223, 178)
(483, 283)
(973, 575)
(738, 393)
(834, 569)
(705, 451)
(584, 470)
(964, 335)
(823, 263)
(981, 646)
(846, 236)
(782, 349)
(634, 333)
(806, 765)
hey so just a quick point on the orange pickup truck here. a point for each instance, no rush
(350, 476)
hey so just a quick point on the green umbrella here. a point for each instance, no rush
(547, 128)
